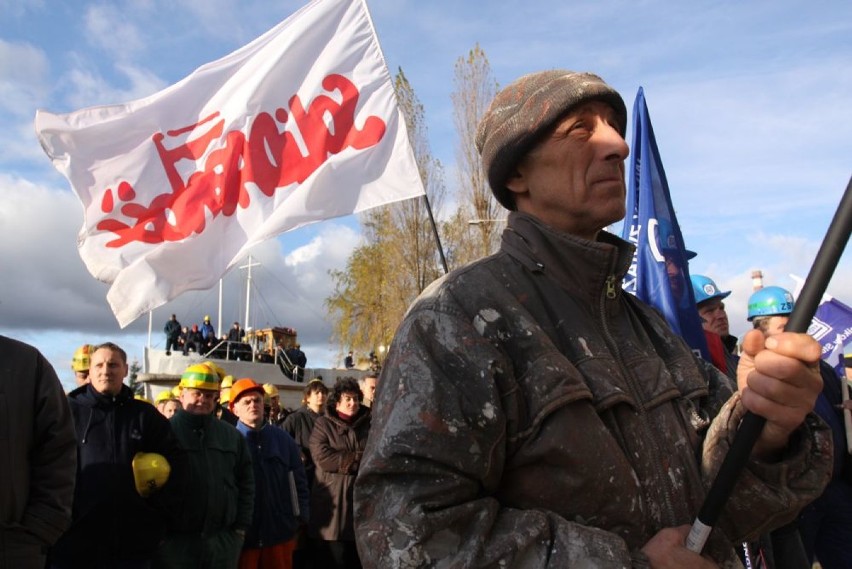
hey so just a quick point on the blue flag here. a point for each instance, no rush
(659, 273)
(832, 327)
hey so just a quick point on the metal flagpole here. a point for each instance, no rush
(749, 431)
(435, 232)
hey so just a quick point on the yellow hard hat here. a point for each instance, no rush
(227, 381)
(150, 472)
(176, 391)
(218, 369)
(200, 376)
(165, 395)
(270, 390)
(142, 398)
(82, 358)
(225, 395)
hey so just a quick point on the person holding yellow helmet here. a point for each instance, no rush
(219, 503)
(113, 525)
(150, 472)
(80, 362)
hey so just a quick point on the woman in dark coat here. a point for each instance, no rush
(337, 443)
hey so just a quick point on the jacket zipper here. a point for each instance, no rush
(610, 293)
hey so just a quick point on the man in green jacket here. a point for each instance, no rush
(209, 532)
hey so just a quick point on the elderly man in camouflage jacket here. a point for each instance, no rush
(532, 414)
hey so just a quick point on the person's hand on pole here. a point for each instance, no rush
(779, 380)
(667, 550)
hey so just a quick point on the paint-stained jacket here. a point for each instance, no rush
(531, 414)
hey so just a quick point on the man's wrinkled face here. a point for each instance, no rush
(107, 371)
(249, 409)
(198, 401)
(714, 318)
(574, 179)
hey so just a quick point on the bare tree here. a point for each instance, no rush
(400, 257)
(475, 87)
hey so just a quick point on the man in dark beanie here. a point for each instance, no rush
(532, 414)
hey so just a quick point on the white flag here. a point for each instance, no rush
(298, 126)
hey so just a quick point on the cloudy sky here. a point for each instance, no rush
(751, 103)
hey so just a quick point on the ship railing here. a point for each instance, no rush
(228, 350)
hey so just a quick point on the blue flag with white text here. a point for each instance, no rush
(832, 327)
(659, 273)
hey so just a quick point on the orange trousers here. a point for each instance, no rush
(278, 556)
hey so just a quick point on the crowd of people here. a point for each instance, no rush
(529, 413)
(202, 339)
(213, 473)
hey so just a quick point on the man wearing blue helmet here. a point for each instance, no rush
(714, 318)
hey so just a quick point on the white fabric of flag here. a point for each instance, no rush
(298, 126)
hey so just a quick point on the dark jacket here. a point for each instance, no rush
(336, 447)
(278, 475)
(530, 413)
(300, 424)
(172, 328)
(219, 499)
(111, 520)
(38, 454)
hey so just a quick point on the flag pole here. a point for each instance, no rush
(749, 431)
(435, 232)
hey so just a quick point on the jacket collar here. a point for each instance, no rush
(192, 420)
(584, 267)
(246, 430)
(87, 395)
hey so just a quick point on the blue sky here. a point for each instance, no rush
(751, 103)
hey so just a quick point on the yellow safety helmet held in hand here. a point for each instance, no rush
(82, 358)
(150, 472)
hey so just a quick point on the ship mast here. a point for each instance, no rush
(248, 266)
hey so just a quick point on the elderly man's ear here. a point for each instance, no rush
(516, 182)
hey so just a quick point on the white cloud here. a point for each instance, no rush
(23, 76)
(109, 28)
(89, 88)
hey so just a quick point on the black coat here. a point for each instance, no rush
(110, 520)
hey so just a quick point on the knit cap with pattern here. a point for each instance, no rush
(525, 110)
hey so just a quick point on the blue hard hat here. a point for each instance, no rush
(770, 301)
(668, 241)
(705, 289)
